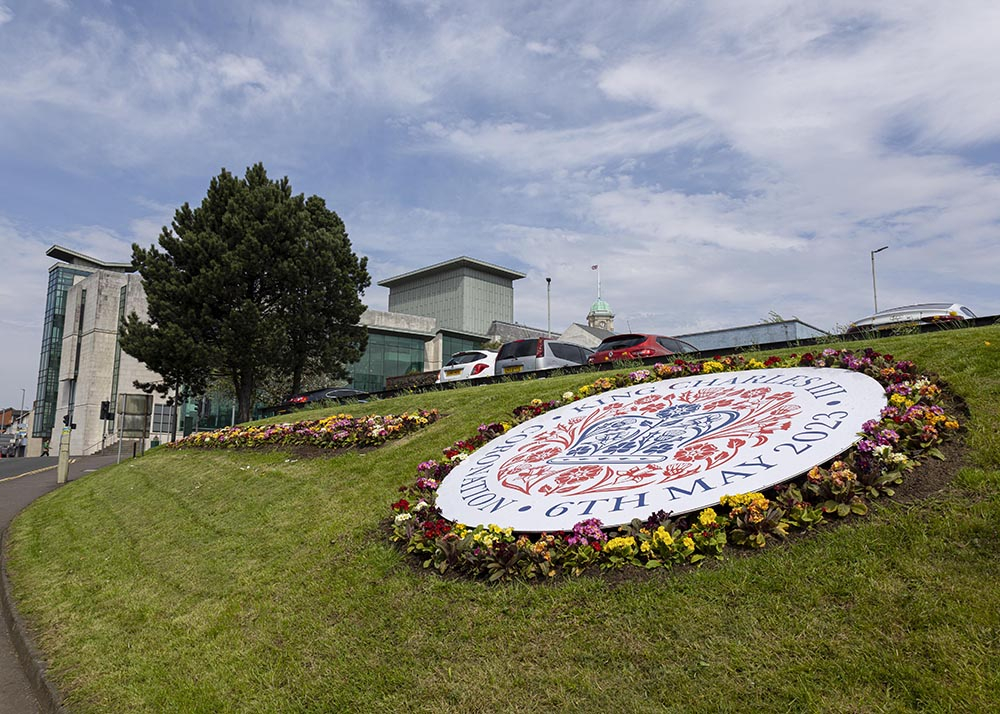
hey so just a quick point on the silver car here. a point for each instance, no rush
(539, 353)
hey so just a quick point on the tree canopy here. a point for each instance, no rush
(254, 282)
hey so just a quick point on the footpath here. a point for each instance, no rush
(23, 686)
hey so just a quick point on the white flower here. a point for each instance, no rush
(402, 518)
(567, 396)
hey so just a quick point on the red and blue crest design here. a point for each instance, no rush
(650, 440)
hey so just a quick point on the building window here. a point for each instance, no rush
(387, 355)
(450, 345)
(163, 419)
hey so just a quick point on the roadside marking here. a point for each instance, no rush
(32, 473)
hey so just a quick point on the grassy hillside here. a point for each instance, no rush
(229, 581)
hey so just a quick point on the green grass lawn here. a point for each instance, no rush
(230, 581)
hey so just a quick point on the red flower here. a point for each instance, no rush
(434, 529)
(401, 505)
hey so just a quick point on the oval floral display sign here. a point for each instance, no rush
(678, 445)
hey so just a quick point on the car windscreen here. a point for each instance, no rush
(520, 348)
(620, 342)
(464, 358)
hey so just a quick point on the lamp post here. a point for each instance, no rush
(548, 305)
(20, 416)
(874, 291)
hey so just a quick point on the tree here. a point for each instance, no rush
(254, 281)
(317, 339)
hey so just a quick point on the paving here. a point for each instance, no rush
(23, 688)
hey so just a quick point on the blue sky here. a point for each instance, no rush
(719, 160)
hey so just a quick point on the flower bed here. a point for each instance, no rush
(339, 431)
(909, 429)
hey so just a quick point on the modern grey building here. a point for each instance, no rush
(464, 295)
(433, 313)
(70, 268)
(94, 369)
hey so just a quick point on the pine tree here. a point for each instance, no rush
(254, 281)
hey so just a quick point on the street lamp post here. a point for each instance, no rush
(20, 416)
(874, 291)
(548, 304)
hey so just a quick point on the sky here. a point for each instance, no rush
(722, 162)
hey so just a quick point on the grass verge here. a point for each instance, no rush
(231, 581)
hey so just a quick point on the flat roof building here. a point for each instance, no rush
(463, 294)
(70, 268)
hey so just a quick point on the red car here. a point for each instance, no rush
(635, 347)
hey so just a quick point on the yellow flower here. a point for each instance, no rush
(621, 544)
(707, 517)
(742, 499)
(662, 537)
(712, 366)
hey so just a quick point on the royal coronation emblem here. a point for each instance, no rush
(677, 445)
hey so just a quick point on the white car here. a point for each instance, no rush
(469, 364)
(924, 313)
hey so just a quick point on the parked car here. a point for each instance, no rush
(329, 394)
(469, 364)
(909, 315)
(539, 353)
(637, 346)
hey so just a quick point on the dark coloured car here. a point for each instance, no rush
(329, 394)
(638, 347)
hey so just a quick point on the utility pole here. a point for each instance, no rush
(548, 304)
(874, 291)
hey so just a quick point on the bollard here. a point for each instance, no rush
(63, 468)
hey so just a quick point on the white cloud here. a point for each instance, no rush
(541, 48)
(520, 147)
(719, 160)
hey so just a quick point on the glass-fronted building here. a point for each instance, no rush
(388, 355)
(70, 268)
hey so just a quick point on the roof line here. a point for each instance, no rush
(461, 261)
(72, 257)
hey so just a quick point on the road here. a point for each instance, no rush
(21, 482)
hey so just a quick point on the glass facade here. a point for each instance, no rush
(60, 281)
(450, 344)
(387, 355)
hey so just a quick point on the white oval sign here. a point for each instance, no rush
(677, 445)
